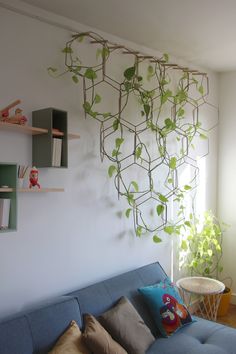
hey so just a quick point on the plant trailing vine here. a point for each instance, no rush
(169, 98)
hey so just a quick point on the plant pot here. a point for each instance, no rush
(224, 302)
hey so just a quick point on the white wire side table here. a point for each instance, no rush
(202, 294)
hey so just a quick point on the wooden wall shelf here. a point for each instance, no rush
(27, 129)
(41, 190)
(6, 190)
(73, 136)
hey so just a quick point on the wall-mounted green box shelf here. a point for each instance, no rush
(55, 121)
(8, 177)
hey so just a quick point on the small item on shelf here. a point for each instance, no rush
(18, 118)
(21, 174)
(33, 178)
(5, 204)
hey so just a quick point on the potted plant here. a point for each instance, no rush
(202, 251)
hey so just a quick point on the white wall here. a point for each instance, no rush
(227, 171)
(71, 239)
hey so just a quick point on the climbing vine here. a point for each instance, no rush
(157, 141)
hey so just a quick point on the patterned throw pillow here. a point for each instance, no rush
(166, 307)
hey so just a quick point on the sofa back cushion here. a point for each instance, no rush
(15, 336)
(49, 322)
(100, 297)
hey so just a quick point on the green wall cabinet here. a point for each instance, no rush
(55, 121)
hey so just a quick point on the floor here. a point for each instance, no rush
(230, 318)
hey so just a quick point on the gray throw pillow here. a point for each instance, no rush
(127, 327)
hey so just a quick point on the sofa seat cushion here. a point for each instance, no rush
(202, 337)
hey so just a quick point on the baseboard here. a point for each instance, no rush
(233, 299)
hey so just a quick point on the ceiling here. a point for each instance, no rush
(202, 32)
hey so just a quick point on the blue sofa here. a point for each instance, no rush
(36, 331)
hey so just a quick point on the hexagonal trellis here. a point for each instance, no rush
(150, 205)
(148, 124)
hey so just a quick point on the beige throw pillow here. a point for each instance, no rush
(98, 339)
(71, 342)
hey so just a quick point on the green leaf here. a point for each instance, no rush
(87, 106)
(115, 153)
(184, 245)
(119, 142)
(163, 198)
(169, 124)
(146, 108)
(81, 38)
(138, 152)
(129, 73)
(166, 57)
(172, 163)
(201, 89)
(139, 231)
(75, 79)
(97, 98)
(210, 253)
(160, 209)
(170, 180)
(203, 136)
(67, 50)
(181, 112)
(90, 74)
(169, 230)
(161, 150)
(106, 115)
(105, 52)
(51, 69)
(98, 53)
(165, 96)
(150, 69)
(111, 170)
(130, 198)
(135, 185)
(187, 187)
(116, 124)
(93, 114)
(187, 223)
(128, 86)
(127, 212)
(156, 239)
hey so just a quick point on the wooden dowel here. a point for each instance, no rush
(170, 65)
(99, 41)
(181, 68)
(191, 71)
(199, 73)
(130, 52)
(145, 56)
(116, 47)
(157, 61)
